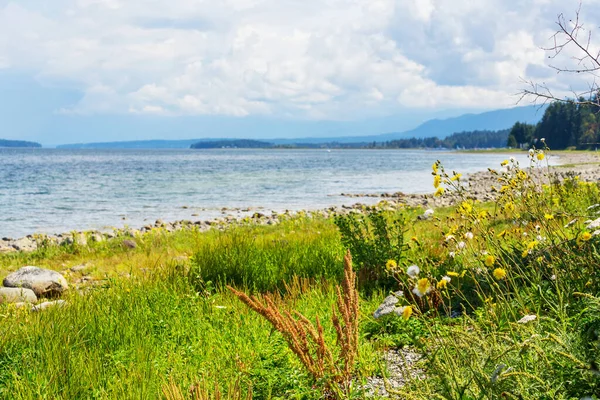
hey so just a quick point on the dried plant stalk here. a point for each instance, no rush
(307, 340)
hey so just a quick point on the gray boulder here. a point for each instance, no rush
(25, 244)
(48, 304)
(43, 282)
(5, 247)
(387, 307)
(17, 295)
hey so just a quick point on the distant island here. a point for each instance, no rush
(234, 143)
(18, 143)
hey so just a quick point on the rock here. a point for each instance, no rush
(48, 304)
(79, 268)
(17, 295)
(387, 307)
(97, 237)
(24, 244)
(595, 224)
(6, 248)
(130, 244)
(81, 239)
(43, 282)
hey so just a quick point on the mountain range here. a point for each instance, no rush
(491, 120)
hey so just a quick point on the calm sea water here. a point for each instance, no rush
(53, 191)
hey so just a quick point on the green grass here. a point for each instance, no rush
(161, 312)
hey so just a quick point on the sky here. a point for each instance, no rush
(101, 70)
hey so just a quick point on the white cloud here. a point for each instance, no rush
(329, 59)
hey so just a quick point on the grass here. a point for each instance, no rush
(161, 316)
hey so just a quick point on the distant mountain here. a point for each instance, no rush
(440, 128)
(18, 143)
(492, 121)
(236, 143)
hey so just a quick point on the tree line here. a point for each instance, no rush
(461, 140)
(564, 125)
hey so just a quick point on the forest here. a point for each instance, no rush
(565, 125)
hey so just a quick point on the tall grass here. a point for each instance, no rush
(266, 259)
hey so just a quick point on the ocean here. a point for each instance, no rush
(56, 190)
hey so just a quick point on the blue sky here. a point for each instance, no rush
(100, 70)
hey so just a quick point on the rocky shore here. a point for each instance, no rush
(586, 165)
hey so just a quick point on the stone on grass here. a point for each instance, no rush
(17, 295)
(130, 244)
(48, 304)
(595, 224)
(387, 307)
(25, 244)
(43, 282)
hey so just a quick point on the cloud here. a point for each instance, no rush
(327, 59)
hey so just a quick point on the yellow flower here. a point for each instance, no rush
(443, 283)
(466, 207)
(456, 177)
(531, 245)
(548, 216)
(585, 236)
(503, 163)
(436, 181)
(509, 207)
(391, 265)
(423, 287)
(434, 167)
(499, 273)
(490, 260)
(525, 253)
(502, 234)
(453, 274)
(439, 192)
(540, 156)
(407, 312)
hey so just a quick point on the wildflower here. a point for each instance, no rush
(452, 273)
(428, 213)
(503, 163)
(499, 273)
(414, 239)
(436, 181)
(531, 152)
(413, 271)
(449, 238)
(490, 260)
(509, 207)
(391, 265)
(461, 245)
(422, 288)
(443, 283)
(452, 254)
(540, 156)
(404, 312)
(439, 192)
(456, 177)
(434, 167)
(512, 159)
(585, 236)
(466, 207)
(469, 235)
(502, 234)
(548, 216)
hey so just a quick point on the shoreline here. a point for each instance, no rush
(584, 164)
